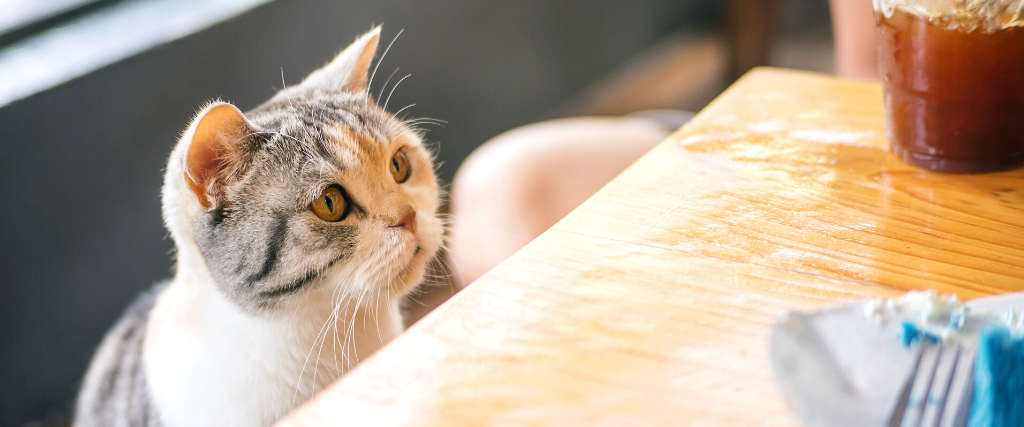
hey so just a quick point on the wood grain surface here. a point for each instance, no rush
(651, 304)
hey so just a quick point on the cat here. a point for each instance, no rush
(299, 226)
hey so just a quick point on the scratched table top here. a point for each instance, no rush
(651, 304)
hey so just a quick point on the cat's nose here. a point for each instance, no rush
(408, 221)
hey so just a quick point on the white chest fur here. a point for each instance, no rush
(210, 364)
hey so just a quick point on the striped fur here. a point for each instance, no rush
(120, 398)
(269, 303)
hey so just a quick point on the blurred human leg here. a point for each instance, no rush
(520, 183)
(853, 29)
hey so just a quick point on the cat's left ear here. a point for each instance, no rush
(349, 71)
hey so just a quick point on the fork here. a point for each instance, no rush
(940, 389)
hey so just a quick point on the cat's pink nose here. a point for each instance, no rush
(408, 221)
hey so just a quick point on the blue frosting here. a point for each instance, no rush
(998, 379)
(957, 319)
(912, 334)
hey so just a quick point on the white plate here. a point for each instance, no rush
(999, 303)
(837, 369)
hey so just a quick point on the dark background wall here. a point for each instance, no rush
(81, 164)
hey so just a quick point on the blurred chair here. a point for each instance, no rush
(750, 32)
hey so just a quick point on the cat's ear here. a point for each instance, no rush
(349, 71)
(219, 143)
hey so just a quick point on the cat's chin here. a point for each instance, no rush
(409, 277)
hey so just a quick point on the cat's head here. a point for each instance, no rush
(318, 187)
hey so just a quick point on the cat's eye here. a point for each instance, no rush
(331, 205)
(400, 167)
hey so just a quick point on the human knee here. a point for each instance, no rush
(503, 171)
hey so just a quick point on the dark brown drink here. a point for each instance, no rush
(954, 100)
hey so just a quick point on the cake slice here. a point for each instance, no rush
(998, 379)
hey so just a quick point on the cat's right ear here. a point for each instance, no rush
(349, 71)
(216, 151)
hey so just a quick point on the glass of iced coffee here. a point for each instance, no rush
(953, 80)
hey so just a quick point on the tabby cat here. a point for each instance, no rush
(299, 226)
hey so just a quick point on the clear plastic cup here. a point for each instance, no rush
(953, 80)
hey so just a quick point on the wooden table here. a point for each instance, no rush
(651, 304)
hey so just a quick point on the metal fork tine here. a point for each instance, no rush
(961, 391)
(896, 418)
(936, 401)
(922, 384)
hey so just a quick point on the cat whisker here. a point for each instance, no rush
(369, 84)
(404, 132)
(308, 355)
(393, 90)
(376, 307)
(334, 322)
(339, 294)
(381, 94)
(352, 326)
(424, 121)
(446, 278)
(396, 113)
(319, 128)
(316, 367)
(302, 170)
(429, 119)
(334, 325)
(450, 270)
(285, 90)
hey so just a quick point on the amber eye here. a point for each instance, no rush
(330, 206)
(400, 167)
